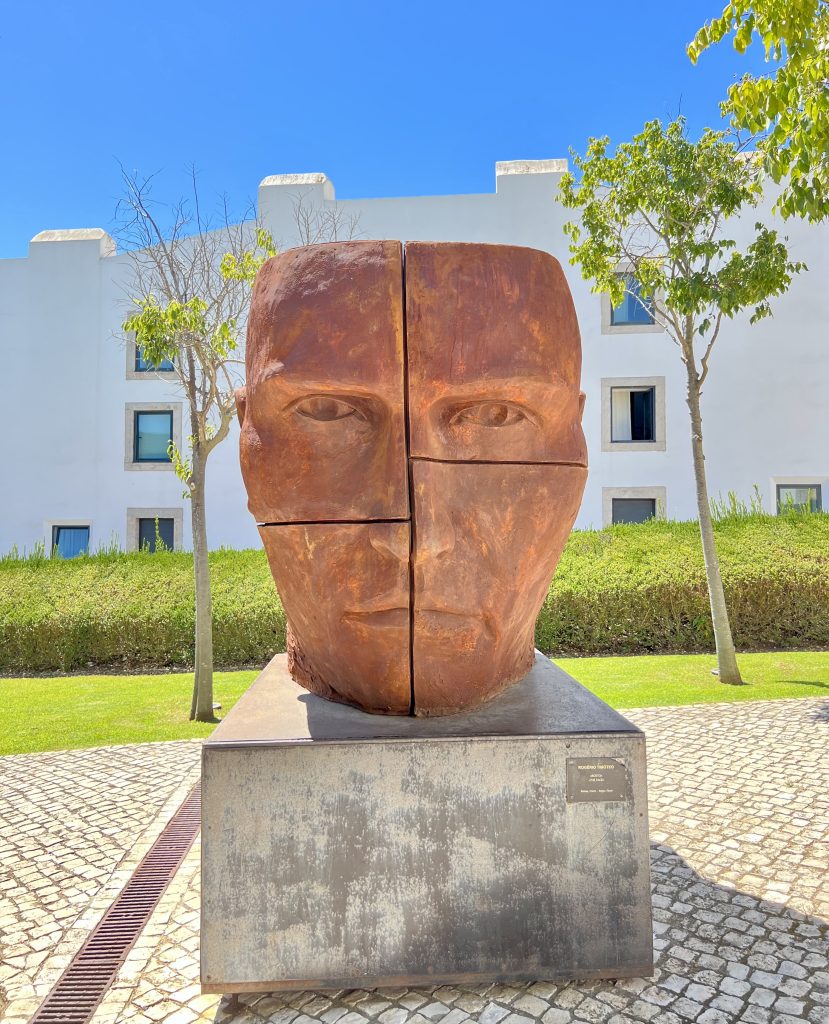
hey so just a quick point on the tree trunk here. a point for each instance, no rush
(726, 655)
(201, 708)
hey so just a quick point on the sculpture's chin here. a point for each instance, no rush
(304, 671)
(441, 688)
(448, 686)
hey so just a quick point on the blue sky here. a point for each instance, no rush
(388, 98)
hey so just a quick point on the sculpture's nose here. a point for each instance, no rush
(434, 534)
(391, 542)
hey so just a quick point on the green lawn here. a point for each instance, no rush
(64, 712)
(642, 682)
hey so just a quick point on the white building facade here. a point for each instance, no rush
(74, 470)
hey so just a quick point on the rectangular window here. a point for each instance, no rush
(70, 541)
(633, 309)
(148, 536)
(152, 436)
(633, 510)
(802, 497)
(632, 414)
(143, 365)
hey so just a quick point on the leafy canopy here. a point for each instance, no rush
(789, 107)
(199, 337)
(658, 207)
(245, 267)
(165, 330)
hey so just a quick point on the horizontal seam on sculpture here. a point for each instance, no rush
(496, 462)
(333, 522)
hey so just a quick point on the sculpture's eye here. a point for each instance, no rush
(489, 414)
(325, 409)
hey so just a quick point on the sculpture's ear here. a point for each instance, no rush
(241, 404)
(582, 399)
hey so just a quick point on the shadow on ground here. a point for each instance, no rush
(820, 712)
(718, 951)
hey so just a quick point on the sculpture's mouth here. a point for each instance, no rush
(435, 625)
(456, 629)
(381, 618)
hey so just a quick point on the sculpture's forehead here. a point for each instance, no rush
(329, 310)
(472, 312)
(475, 312)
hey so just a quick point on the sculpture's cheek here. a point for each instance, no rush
(345, 590)
(487, 539)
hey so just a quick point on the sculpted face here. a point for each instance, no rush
(412, 450)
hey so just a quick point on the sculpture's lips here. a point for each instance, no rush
(384, 618)
(458, 629)
(435, 624)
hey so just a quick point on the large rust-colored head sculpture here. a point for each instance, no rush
(413, 454)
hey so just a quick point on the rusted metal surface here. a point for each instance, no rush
(487, 540)
(83, 984)
(347, 587)
(494, 355)
(323, 424)
(414, 476)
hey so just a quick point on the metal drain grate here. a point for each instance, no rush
(84, 983)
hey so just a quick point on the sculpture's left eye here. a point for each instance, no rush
(489, 414)
(325, 409)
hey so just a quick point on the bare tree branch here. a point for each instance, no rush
(192, 313)
(315, 224)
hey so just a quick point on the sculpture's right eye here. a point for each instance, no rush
(489, 414)
(325, 409)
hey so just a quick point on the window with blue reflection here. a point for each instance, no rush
(151, 531)
(153, 434)
(143, 365)
(633, 309)
(70, 541)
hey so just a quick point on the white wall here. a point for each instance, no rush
(765, 405)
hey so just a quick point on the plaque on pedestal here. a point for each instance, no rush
(343, 849)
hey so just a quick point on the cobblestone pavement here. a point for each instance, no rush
(739, 806)
(73, 826)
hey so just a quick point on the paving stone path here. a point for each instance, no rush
(739, 809)
(73, 827)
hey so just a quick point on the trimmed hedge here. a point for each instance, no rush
(623, 590)
(134, 610)
(641, 589)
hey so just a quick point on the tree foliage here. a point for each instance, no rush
(198, 333)
(789, 107)
(190, 283)
(659, 206)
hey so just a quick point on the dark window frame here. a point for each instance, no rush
(613, 519)
(641, 390)
(152, 521)
(149, 367)
(646, 310)
(817, 488)
(135, 434)
(57, 527)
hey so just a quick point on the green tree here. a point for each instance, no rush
(190, 285)
(658, 209)
(789, 107)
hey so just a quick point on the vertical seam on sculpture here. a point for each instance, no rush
(409, 478)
